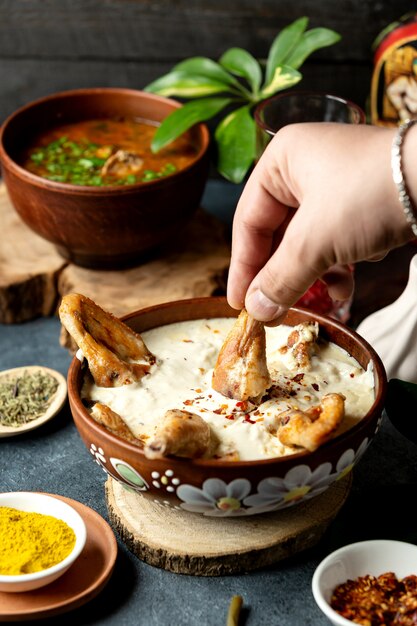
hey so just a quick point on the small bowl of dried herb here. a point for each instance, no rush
(29, 397)
(369, 582)
(40, 538)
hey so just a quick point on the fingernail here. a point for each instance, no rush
(261, 307)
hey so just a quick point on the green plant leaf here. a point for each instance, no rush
(236, 143)
(180, 120)
(202, 66)
(283, 78)
(282, 45)
(242, 63)
(311, 41)
(185, 85)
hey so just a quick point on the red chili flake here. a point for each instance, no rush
(230, 417)
(248, 419)
(298, 378)
(188, 402)
(198, 390)
(381, 601)
(352, 375)
(242, 405)
(221, 410)
(315, 386)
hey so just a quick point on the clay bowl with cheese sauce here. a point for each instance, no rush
(219, 487)
(80, 172)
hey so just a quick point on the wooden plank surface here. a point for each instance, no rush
(47, 46)
(33, 276)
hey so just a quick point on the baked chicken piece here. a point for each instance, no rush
(105, 416)
(300, 345)
(116, 355)
(122, 164)
(241, 370)
(179, 433)
(310, 429)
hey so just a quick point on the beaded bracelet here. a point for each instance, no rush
(398, 176)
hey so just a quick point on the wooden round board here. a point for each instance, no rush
(187, 543)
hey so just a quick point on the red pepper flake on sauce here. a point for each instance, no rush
(377, 601)
(247, 418)
(298, 378)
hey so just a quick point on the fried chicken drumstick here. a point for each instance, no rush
(116, 355)
(241, 371)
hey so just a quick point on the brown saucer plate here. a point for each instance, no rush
(81, 583)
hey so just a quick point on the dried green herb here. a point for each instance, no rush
(26, 397)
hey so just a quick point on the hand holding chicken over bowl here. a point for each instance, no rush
(202, 407)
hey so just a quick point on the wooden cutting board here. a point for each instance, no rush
(189, 543)
(33, 276)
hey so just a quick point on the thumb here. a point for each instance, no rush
(297, 262)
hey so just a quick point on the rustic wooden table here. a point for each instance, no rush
(53, 459)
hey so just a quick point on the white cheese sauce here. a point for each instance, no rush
(186, 353)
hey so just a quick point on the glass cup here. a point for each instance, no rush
(307, 106)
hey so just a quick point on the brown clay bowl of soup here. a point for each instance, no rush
(189, 432)
(80, 173)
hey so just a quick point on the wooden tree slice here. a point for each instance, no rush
(189, 543)
(193, 265)
(29, 267)
(33, 276)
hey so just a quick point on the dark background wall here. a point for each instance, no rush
(53, 45)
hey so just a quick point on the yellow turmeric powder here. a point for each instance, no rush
(31, 542)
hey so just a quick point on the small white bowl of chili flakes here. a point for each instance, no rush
(369, 582)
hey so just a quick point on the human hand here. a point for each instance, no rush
(320, 197)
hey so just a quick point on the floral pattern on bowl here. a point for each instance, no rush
(216, 498)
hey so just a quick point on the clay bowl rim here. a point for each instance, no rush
(74, 373)
(69, 188)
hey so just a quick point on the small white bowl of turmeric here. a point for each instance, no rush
(40, 538)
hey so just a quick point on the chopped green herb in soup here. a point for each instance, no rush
(105, 152)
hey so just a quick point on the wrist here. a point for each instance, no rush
(403, 151)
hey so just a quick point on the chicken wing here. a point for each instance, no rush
(310, 429)
(122, 164)
(241, 370)
(300, 345)
(116, 355)
(105, 416)
(179, 433)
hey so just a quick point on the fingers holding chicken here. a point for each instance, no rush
(241, 370)
(116, 355)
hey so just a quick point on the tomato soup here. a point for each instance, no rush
(105, 152)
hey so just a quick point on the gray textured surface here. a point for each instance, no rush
(53, 459)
